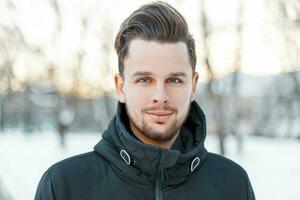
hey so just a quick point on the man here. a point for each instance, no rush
(154, 145)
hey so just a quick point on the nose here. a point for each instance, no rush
(160, 95)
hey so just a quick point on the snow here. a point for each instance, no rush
(273, 165)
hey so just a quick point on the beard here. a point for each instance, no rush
(155, 131)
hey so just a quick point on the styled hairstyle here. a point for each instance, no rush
(156, 21)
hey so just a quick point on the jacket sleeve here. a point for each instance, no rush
(250, 193)
(45, 189)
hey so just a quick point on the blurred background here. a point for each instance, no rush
(57, 63)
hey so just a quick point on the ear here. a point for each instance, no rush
(119, 84)
(194, 85)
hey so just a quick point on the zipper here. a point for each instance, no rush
(158, 191)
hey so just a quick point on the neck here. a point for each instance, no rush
(163, 144)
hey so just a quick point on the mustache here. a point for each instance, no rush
(165, 107)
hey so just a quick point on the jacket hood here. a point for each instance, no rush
(140, 164)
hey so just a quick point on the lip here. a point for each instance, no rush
(160, 116)
(159, 112)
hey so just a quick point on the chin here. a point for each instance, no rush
(161, 131)
(161, 128)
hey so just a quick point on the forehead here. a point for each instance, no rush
(157, 58)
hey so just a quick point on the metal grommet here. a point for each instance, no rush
(195, 163)
(125, 156)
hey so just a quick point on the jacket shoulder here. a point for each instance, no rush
(229, 176)
(79, 168)
(77, 162)
(222, 164)
(78, 174)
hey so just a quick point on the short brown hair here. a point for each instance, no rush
(155, 21)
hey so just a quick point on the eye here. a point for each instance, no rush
(175, 81)
(143, 81)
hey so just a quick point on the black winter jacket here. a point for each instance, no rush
(123, 168)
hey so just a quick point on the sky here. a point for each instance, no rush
(262, 41)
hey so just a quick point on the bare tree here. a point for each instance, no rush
(289, 11)
(225, 107)
(12, 45)
(235, 82)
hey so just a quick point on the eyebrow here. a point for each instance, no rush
(178, 74)
(145, 73)
(141, 73)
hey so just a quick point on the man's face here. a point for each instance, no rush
(157, 88)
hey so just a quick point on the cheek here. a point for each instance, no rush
(136, 98)
(182, 97)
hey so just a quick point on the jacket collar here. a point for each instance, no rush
(143, 163)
